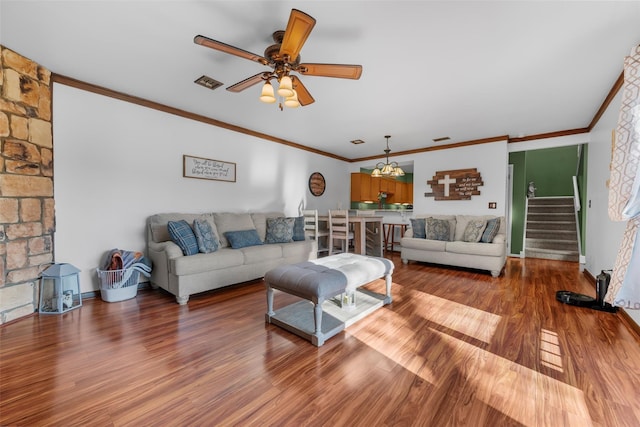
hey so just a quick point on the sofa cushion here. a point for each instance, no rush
(207, 240)
(437, 229)
(158, 224)
(221, 259)
(298, 229)
(473, 230)
(260, 222)
(243, 238)
(418, 225)
(423, 244)
(260, 253)
(279, 230)
(227, 221)
(480, 249)
(182, 234)
(303, 248)
(490, 231)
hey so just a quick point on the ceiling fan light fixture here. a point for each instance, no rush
(267, 94)
(292, 101)
(286, 87)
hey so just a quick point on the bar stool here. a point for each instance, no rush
(390, 234)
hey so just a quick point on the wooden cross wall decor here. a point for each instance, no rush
(459, 184)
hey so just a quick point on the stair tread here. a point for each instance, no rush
(542, 239)
(552, 251)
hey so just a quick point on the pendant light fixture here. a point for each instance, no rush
(389, 168)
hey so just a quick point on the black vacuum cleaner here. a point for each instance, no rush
(580, 300)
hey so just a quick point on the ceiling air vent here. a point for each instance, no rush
(357, 141)
(208, 82)
(444, 138)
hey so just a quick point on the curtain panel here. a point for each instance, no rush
(624, 189)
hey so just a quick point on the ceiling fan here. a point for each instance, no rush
(284, 57)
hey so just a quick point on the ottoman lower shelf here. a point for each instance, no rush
(298, 318)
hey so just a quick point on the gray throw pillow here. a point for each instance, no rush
(206, 238)
(473, 230)
(279, 230)
(437, 229)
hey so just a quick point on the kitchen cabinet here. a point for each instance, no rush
(364, 188)
(361, 188)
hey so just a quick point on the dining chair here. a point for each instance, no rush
(313, 230)
(339, 229)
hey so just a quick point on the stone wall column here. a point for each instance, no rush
(27, 220)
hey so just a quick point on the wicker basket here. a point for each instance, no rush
(118, 285)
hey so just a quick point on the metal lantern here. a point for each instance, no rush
(60, 289)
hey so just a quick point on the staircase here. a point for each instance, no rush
(551, 231)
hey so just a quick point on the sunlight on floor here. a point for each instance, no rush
(523, 394)
(550, 355)
(470, 321)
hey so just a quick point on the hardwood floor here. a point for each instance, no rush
(455, 347)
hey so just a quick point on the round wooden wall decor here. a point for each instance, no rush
(317, 184)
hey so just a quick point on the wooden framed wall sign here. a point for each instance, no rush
(201, 168)
(459, 184)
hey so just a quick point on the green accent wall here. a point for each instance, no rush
(552, 171)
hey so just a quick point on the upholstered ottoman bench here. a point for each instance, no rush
(320, 317)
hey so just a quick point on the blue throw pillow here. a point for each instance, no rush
(206, 238)
(438, 229)
(243, 238)
(418, 226)
(493, 226)
(279, 230)
(298, 229)
(182, 234)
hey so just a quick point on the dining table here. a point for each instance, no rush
(367, 233)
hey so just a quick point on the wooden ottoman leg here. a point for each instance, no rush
(317, 338)
(387, 281)
(270, 311)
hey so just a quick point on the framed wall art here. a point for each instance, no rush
(201, 168)
(317, 184)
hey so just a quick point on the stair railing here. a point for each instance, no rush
(576, 209)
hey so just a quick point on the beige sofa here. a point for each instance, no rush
(184, 275)
(455, 251)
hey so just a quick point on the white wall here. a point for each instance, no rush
(603, 235)
(116, 163)
(490, 159)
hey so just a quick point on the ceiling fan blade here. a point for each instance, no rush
(246, 83)
(298, 29)
(226, 48)
(341, 71)
(304, 97)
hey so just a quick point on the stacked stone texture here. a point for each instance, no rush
(27, 220)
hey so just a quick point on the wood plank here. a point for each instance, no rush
(455, 347)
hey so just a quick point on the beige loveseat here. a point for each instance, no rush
(454, 250)
(184, 275)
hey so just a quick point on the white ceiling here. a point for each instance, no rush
(467, 70)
